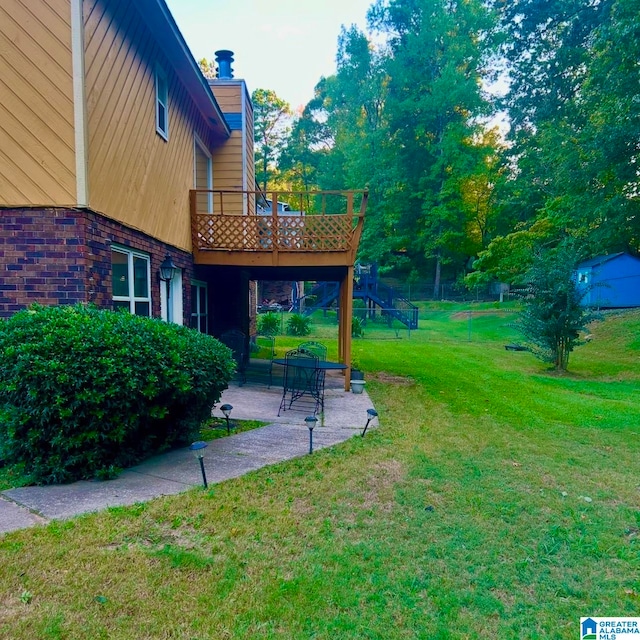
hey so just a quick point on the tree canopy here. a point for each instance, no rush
(271, 117)
(483, 130)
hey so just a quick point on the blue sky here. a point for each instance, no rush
(284, 45)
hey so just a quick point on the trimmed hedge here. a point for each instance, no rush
(85, 392)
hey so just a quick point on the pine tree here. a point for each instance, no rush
(553, 317)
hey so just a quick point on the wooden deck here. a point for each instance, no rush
(285, 229)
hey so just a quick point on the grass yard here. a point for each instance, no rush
(495, 500)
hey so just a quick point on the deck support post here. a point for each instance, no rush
(344, 325)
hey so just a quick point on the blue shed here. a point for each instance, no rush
(611, 281)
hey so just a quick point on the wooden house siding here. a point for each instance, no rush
(227, 164)
(37, 148)
(249, 144)
(228, 95)
(203, 178)
(230, 161)
(135, 176)
(228, 173)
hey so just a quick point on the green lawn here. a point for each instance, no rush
(495, 500)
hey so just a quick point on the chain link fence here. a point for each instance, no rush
(452, 321)
(448, 290)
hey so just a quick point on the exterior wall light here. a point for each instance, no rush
(167, 271)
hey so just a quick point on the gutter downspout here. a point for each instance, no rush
(79, 104)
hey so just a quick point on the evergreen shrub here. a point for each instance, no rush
(85, 392)
(553, 318)
(298, 325)
(268, 324)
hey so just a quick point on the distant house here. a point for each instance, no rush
(611, 281)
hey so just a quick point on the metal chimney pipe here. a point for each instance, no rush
(224, 58)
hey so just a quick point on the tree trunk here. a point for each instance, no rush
(436, 280)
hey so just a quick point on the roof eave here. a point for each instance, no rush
(157, 15)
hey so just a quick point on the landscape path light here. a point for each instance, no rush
(371, 414)
(226, 412)
(310, 421)
(198, 451)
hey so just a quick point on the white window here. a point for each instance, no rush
(131, 280)
(199, 317)
(162, 103)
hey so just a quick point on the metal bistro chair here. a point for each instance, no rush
(237, 342)
(263, 350)
(320, 350)
(300, 379)
(316, 348)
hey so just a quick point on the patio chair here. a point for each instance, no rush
(316, 348)
(237, 342)
(261, 358)
(301, 378)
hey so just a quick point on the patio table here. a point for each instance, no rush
(305, 376)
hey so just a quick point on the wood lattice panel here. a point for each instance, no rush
(264, 233)
(226, 232)
(328, 233)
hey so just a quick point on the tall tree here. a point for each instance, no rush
(433, 105)
(610, 102)
(339, 140)
(308, 144)
(575, 128)
(546, 45)
(355, 100)
(575, 123)
(481, 191)
(272, 118)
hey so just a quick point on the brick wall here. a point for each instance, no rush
(63, 256)
(275, 291)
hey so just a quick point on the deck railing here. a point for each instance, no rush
(300, 221)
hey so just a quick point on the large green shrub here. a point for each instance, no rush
(268, 324)
(298, 325)
(85, 391)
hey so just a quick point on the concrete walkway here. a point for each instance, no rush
(283, 438)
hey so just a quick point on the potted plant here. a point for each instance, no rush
(357, 378)
(356, 372)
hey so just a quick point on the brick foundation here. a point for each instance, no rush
(57, 256)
